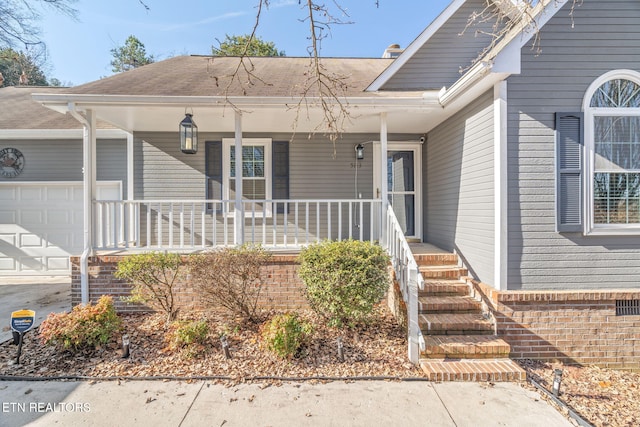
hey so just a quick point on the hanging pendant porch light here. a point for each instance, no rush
(188, 134)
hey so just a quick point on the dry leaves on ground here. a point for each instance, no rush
(376, 350)
(603, 397)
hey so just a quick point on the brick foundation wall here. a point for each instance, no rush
(282, 288)
(571, 326)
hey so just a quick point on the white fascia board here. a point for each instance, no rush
(59, 134)
(505, 58)
(415, 45)
(81, 101)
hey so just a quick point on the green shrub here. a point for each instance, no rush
(286, 334)
(154, 276)
(190, 338)
(85, 327)
(344, 280)
(230, 278)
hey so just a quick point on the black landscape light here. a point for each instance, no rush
(188, 134)
(557, 379)
(125, 346)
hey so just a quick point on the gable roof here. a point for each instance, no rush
(210, 76)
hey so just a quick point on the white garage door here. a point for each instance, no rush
(41, 225)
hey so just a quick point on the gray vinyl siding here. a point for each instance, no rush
(605, 37)
(61, 160)
(459, 186)
(440, 60)
(315, 172)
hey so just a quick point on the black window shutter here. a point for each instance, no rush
(280, 170)
(569, 172)
(213, 166)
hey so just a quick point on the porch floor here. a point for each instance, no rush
(425, 249)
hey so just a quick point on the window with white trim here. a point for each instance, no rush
(256, 170)
(612, 139)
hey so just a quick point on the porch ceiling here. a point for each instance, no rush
(417, 113)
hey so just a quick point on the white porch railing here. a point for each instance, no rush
(409, 278)
(202, 224)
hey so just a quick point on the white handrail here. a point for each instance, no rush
(409, 279)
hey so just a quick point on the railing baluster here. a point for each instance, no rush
(203, 225)
(329, 220)
(171, 225)
(350, 220)
(275, 223)
(160, 242)
(361, 221)
(306, 223)
(286, 222)
(253, 223)
(264, 223)
(317, 221)
(339, 221)
(148, 225)
(214, 224)
(225, 222)
(192, 225)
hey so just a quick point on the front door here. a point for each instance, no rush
(403, 184)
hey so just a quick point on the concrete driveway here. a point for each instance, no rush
(44, 295)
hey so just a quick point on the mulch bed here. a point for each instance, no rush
(379, 349)
(603, 397)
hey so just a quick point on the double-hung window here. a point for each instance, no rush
(265, 174)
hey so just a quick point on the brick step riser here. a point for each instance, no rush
(475, 331)
(431, 260)
(478, 377)
(451, 274)
(467, 307)
(457, 356)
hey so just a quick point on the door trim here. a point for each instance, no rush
(416, 147)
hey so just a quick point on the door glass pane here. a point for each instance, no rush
(404, 208)
(400, 171)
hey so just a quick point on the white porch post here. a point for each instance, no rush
(130, 188)
(384, 191)
(500, 185)
(89, 191)
(239, 208)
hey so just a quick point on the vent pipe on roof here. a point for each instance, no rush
(393, 51)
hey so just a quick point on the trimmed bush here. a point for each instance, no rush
(85, 327)
(190, 338)
(154, 276)
(344, 280)
(286, 334)
(230, 278)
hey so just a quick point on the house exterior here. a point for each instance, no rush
(524, 164)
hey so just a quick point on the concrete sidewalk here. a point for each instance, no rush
(362, 403)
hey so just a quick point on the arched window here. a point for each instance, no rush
(612, 137)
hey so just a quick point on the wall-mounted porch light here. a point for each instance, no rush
(188, 134)
(359, 152)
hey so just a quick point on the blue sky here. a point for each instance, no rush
(79, 51)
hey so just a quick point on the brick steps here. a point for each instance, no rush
(444, 287)
(460, 344)
(454, 324)
(458, 304)
(465, 346)
(445, 271)
(496, 370)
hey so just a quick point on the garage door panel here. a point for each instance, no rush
(57, 264)
(30, 194)
(62, 240)
(7, 217)
(28, 217)
(7, 193)
(7, 239)
(41, 225)
(28, 240)
(31, 264)
(59, 217)
(7, 264)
